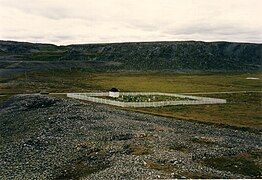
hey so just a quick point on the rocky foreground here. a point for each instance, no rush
(49, 138)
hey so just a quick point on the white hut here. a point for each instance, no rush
(114, 93)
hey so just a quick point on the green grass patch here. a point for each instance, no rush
(44, 56)
(137, 149)
(245, 164)
(165, 167)
(93, 161)
(241, 110)
(144, 98)
(197, 175)
(3, 99)
(203, 140)
(178, 147)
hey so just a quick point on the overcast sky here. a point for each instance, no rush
(90, 21)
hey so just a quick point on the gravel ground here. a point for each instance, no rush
(49, 138)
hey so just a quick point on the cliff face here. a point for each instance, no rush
(157, 56)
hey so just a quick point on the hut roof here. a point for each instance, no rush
(114, 90)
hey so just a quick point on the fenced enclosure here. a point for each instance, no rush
(194, 100)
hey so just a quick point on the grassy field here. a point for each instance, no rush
(242, 109)
(76, 81)
(178, 83)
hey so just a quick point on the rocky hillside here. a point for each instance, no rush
(48, 138)
(157, 56)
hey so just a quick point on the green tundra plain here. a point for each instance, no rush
(243, 109)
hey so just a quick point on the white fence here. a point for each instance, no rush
(193, 100)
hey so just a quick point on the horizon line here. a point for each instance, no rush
(126, 42)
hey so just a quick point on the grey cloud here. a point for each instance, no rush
(226, 30)
(62, 37)
(83, 21)
(12, 37)
(33, 8)
(54, 13)
(142, 25)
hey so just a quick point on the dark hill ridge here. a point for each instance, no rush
(157, 56)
